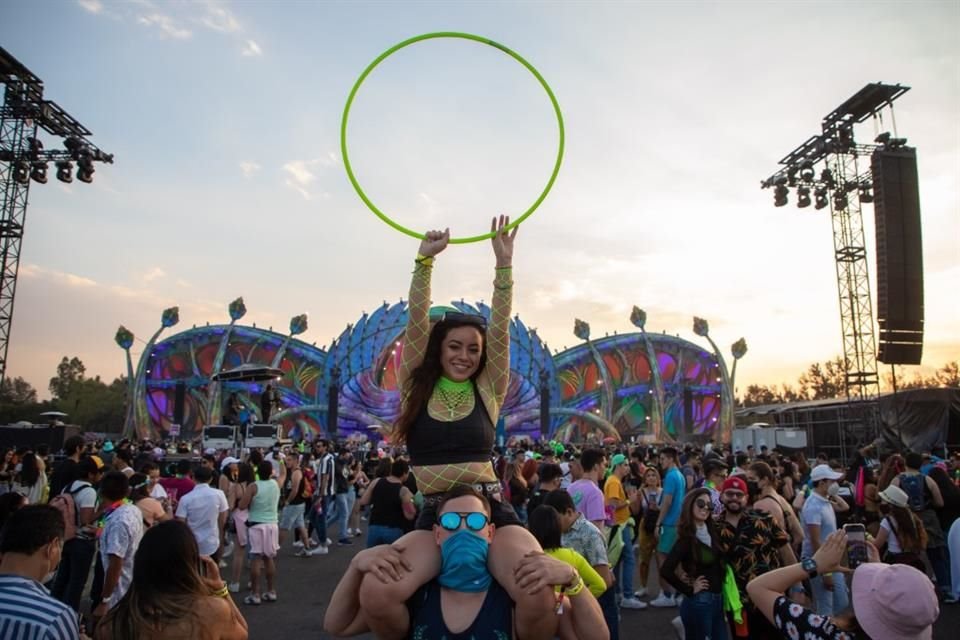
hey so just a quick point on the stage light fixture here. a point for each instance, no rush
(839, 200)
(35, 147)
(39, 172)
(792, 175)
(896, 143)
(806, 171)
(21, 172)
(866, 195)
(883, 138)
(826, 177)
(65, 171)
(803, 197)
(780, 195)
(72, 144)
(85, 168)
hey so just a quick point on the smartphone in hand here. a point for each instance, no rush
(856, 544)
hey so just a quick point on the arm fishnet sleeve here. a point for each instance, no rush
(418, 321)
(495, 379)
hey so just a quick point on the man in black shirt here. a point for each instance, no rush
(67, 470)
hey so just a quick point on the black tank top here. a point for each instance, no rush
(469, 439)
(386, 508)
(288, 485)
(493, 622)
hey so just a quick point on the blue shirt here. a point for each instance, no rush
(28, 612)
(674, 484)
(817, 510)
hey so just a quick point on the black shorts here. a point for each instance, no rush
(502, 515)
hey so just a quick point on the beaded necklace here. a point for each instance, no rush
(453, 395)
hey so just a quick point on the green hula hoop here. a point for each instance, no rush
(466, 36)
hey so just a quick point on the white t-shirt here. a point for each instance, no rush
(566, 478)
(121, 537)
(201, 508)
(893, 543)
(85, 498)
(158, 492)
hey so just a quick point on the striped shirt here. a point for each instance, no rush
(28, 612)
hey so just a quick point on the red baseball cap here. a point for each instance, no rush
(734, 482)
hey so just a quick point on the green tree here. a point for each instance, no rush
(828, 380)
(17, 392)
(94, 405)
(69, 372)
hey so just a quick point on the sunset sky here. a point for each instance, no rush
(224, 119)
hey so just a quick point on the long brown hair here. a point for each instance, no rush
(907, 527)
(419, 386)
(687, 526)
(890, 470)
(165, 587)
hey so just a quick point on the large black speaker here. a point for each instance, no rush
(899, 255)
(179, 396)
(687, 411)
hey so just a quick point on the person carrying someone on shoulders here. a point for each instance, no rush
(450, 604)
(168, 598)
(454, 378)
(888, 601)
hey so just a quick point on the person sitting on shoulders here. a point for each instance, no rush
(450, 604)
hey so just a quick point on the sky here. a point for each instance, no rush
(224, 118)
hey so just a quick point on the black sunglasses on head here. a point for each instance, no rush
(464, 318)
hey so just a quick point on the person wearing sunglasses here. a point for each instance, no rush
(450, 604)
(697, 553)
(453, 375)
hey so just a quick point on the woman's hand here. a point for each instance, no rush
(503, 241)
(830, 553)
(434, 242)
(700, 584)
(211, 574)
(383, 561)
(536, 570)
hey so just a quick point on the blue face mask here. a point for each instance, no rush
(464, 567)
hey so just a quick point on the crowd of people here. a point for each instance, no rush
(547, 540)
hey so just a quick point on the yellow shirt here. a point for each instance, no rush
(591, 578)
(614, 489)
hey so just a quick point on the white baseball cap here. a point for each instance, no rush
(824, 472)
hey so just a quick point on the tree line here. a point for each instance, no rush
(88, 402)
(827, 380)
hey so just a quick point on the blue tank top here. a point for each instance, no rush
(494, 620)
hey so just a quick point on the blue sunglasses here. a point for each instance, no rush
(451, 520)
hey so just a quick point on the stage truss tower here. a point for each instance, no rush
(843, 185)
(23, 160)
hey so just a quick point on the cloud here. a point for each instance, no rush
(248, 167)
(251, 48)
(299, 171)
(299, 189)
(153, 274)
(93, 6)
(166, 25)
(219, 18)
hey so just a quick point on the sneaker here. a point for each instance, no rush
(678, 628)
(303, 553)
(298, 544)
(345, 542)
(223, 564)
(270, 596)
(350, 532)
(227, 550)
(633, 603)
(320, 550)
(663, 601)
(328, 542)
(640, 593)
(234, 587)
(252, 599)
(357, 533)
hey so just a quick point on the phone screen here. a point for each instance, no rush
(856, 545)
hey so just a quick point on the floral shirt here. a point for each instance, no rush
(799, 623)
(752, 548)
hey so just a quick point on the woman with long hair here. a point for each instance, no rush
(152, 509)
(891, 468)
(240, 516)
(901, 531)
(517, 487)
(649, 497)
(761, 484)
(454, 374)
(169, 597)
(546, 528)
(789, 477)
(697, 553)
(888, 601)
(31, 481)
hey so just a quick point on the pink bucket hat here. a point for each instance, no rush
(894, 602)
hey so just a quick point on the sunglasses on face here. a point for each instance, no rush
(702, 504)
(451, 520)
(733, 495)
(464, 318)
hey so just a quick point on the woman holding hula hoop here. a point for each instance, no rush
(454, 378)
